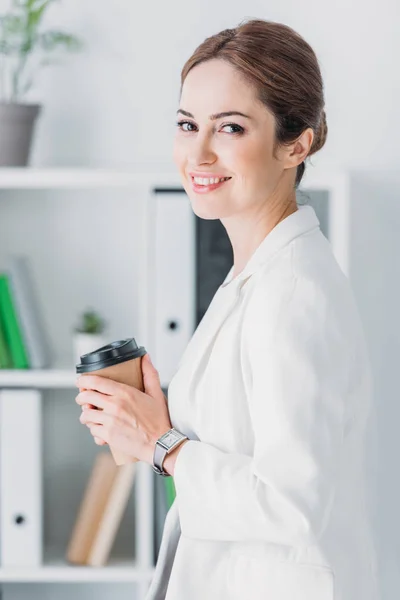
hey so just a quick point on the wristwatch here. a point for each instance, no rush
(163, 446)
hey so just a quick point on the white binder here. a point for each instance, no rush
(21, 522)
(173, 277)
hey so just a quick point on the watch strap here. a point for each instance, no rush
(158, 458)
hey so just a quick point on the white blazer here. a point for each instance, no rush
(274, 391)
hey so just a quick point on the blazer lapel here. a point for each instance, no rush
(218, 311)
(227, 295)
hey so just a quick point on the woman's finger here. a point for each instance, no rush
(97, 431)
(92, 397)
(93, 416)
(99, 441)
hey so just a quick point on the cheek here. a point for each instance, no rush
(251, 158)
(256, 172)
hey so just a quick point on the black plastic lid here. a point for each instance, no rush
(112, 354)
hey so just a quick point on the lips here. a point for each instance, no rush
(204, 189)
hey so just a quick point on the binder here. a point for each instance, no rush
(170, 491)
(5, 356)
(107, 530)
(174, 285)
(91, 509)
(11, 324)
(30, 316)
(160, 510)
(21, 497)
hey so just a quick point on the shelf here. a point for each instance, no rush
(38, 378)
(55, 569)
(79, 178)
(55, 378)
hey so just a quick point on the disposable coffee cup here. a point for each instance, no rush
(120, 361)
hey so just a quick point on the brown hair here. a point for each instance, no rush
(284, 70)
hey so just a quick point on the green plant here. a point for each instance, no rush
(22, 42)
(91, 323)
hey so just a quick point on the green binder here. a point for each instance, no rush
(170, 490)
(5, 356)
(11, 326)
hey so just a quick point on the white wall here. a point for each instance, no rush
(375, 276)
(115, 105)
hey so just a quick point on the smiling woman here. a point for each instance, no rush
(273, 391)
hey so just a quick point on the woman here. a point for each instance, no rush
(273, 391)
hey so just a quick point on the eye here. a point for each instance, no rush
(181, 124)
(238, 128)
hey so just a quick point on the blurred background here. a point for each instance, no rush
(81, 210)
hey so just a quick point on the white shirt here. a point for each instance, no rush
(274, 391)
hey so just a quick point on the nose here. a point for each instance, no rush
(200, 151)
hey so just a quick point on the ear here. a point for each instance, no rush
(298, 151)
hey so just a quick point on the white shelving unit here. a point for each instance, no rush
(62, 377)
(80, 178)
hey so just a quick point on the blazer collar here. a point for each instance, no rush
(304, 219)
(227, 295)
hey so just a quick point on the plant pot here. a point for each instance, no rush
(87, 342)
(16, 130)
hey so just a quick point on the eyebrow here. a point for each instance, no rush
(220, 115)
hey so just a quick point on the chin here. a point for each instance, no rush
(205, 206)
(205, 210)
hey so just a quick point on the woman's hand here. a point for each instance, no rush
(128, 420)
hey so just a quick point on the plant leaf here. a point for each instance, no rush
(12, 30)
(35, 15)
(52, 40)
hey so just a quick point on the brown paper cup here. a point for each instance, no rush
(128, 372)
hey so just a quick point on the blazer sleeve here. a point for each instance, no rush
(296, 363)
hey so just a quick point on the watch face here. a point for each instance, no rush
(170, 438)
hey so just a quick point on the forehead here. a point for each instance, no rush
(214, 86)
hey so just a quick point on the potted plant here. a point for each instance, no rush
(24, 49)
(88, 336)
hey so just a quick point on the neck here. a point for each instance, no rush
(246, 232)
